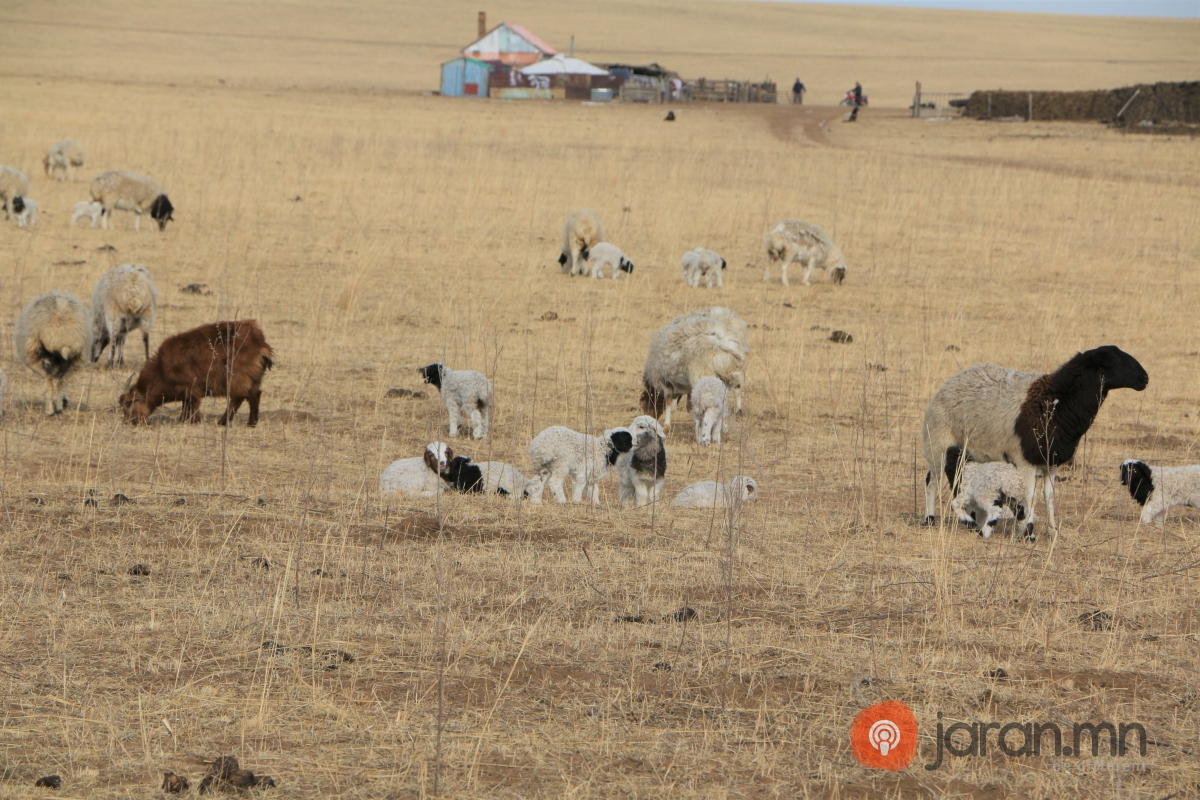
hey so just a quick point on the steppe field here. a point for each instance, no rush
(480, 647)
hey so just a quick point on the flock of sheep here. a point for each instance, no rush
(991, 431)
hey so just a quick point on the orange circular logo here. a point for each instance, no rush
(884, 736)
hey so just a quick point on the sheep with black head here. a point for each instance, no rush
(1157, 489)
(558, 453)
(464, 391)
(642, 471)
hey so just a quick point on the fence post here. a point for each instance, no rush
(917, 101)
(1030, 117)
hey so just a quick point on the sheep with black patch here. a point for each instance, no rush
(484, 477)
(581, 232)
(990, 491)
(417, 477)
(700, 263)
(710, 494)
(706, 342)
(1157, 489)
(642, 471)
(52, 338)
(128, 191)
(125, 299)
(558, 453)
(65, 157)
(464, 391)
(1033, 421)
(83, 209)
(795, 241)
(709, 404)
(608, 255)
(26, 211)
(13, 184)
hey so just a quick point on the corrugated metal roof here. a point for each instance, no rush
(500, 39)
(538, 43)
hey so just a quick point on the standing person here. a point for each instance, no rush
(857, 94)
(798, 93)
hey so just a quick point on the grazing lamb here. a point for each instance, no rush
(701, 263)
(990, 489)
(642, 471)
(581, 232)
(125, 298)
(129, 191)
(710, 341)
(463, 391)
(1030, 420)
(85, 209)
(1158, 488)
(219, 359)
(793, 240)
(52, 339)
(485, 477)
(559, 452)
(710, 494)
(13, 184)
(417, 477)
(608, 255)
(710, 409)
(26, 211)
(66, 156)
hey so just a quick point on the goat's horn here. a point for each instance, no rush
(129, 380)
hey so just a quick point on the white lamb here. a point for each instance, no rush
(125, 299)
(417, 477)
(85, 209)
(992, 490)
(27, 211)
(642, 471)
(710, 409)
(710, 494)
(793, 240)
(701, 263)
(608, 255)
(463, 391)
(66, 156)
(559, 452)
(13, 183)
(128, 191)
(1158, 488)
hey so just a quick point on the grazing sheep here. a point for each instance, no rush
(608, 255)
(85, 209)
(66, 156)
(1158, 488)
(710, 409)
(710, 494)
(125, 298)
(993, 490)
(219, 359)
(559, 452)
(710, 341)
(701, 263)
(581, 232)
(485, 477)
(462, 390)
(52, 339)
(13, 183)
(1030, 420)
(417, 477)
(26, 211)
(642, 471)
(129, 191)
(793, 240)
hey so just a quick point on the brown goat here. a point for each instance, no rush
(195, 364)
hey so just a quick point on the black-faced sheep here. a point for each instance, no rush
(13, 184)
(463, 391)
(128, 191)
(1156, 489)
(26, 211)
(581, 232)
(125, 299)
(558, 453)
(710, 494)
(709, 404)
(608, 255)
(793, 240)
(1030, 420)
(65, 156)
(417, 477)
(991, 491)
(642, 471)
(52, 338)
(701, 263)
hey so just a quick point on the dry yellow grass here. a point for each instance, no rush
(371, 233)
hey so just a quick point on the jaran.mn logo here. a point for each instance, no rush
(1017, 739)
(884, 736)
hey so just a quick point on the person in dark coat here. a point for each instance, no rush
(798, 92)
(857, 94)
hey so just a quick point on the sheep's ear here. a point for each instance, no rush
(562, 259)
(622, 441)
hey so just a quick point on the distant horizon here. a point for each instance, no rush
(1175, 9)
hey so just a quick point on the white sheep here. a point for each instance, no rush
(990, 490)
(793, 240)
(463, 391)
(1158, 488)
(52, 338)
(581, 232)
(710, 494)
(608, 255)
(642, 471)
(26, 210)
(66, 156)
(125, 299)
(85, 209)
(710, 341)
(13, 183)
(709, 405)
(559, 452)
(701, 263)
(128, 191)
(417, 477)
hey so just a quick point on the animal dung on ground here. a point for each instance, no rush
(37, 501)
(661, 666)
(953, 348)
(174, 784)
(841, 337)
(90, 503)
(998, 674)
(549, 316)
(685, 614)
(196, 288)
(639, 619)
(180, 501)
(49, 782)
(1096, 620)
(260, 563)
(394, 392)
(139, 570)
(226, 775)
(120, 500)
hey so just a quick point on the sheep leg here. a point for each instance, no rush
(595, 494)
(231, 410)
(146, 343)
(717, 428)
(808, 268)
(478, 426)
(1048, 491)
(1029, 480)
(993, 514)
(52, 406)
(485, 416)
(641, 496)
(254, 397)
(1157, 507)
(118, 343)
(720, 280)
(454, 414)
(137, 221)
(785, 268)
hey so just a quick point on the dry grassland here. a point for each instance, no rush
(371, 234)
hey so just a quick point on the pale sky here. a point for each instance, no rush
(1122, 8)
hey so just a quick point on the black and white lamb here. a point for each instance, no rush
(990, 491)
(1158, 488)
(484, 477)
(26, 211)
(417, 477)
(701, 263)
(642, 471)
(605, 254)
(558, 453)
(464, 391)
(1033, 421)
